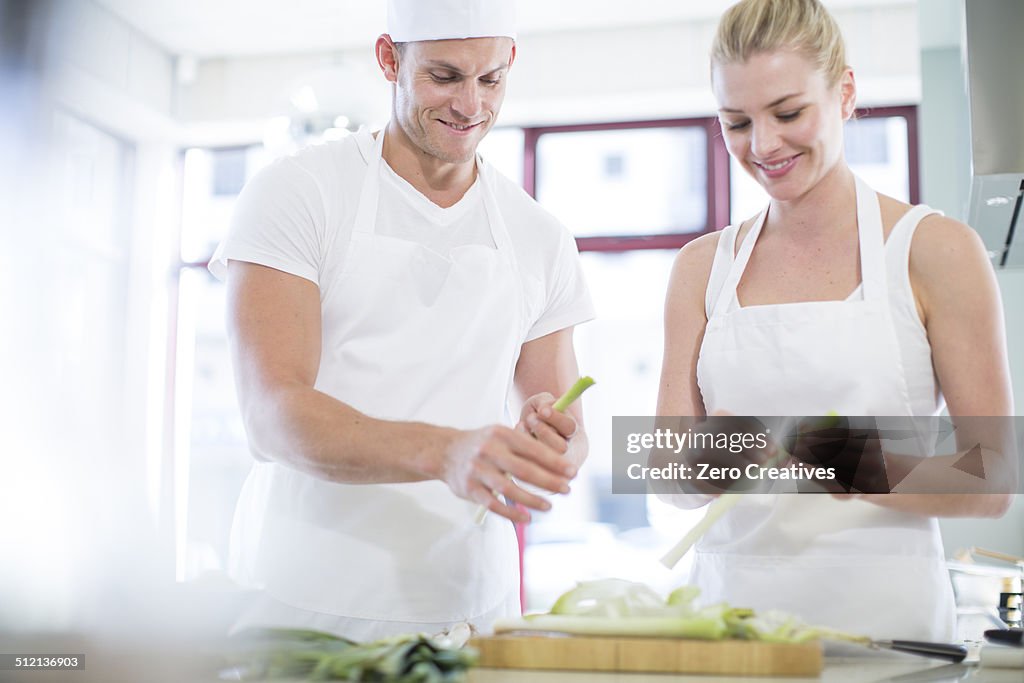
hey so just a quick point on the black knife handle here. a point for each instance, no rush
(952, 653)
(1006, 636)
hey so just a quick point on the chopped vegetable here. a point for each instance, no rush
(610, 598)
(269, 654)
(614, 607)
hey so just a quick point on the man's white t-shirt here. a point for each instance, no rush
(296, 216)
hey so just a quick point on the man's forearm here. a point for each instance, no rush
(304, 428)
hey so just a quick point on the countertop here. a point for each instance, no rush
(136, 666)
(864, 669)
(176, 660)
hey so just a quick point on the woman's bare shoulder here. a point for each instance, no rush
(701, 249)
(692, 266)
(942, 245)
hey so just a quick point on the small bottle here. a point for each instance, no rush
(1011, 602)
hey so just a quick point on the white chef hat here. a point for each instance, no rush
(411, 20)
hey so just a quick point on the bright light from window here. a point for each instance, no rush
(638, 181)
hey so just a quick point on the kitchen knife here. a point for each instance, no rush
(946, 651)
(1007, 636)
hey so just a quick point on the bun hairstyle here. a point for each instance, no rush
(753, 26)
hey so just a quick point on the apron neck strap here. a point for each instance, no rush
(869, 236)
(499, 229)
(366, 212)
(728, 294)
(872, 243)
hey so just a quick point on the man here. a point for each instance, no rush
(385, 295)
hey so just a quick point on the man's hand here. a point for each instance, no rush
(478, 465)
(540, 420)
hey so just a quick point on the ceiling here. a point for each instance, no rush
(231, 28)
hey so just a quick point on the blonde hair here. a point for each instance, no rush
(753, 26)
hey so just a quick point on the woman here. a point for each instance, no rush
(834, 298)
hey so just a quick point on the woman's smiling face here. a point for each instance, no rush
(782, 120)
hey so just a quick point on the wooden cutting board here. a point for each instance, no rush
(665, 655)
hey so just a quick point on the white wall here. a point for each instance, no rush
(641, 71)
(94, 242)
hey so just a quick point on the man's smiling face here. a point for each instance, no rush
(448, 93)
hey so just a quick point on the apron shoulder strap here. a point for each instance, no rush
(720, 268)
(897, 253)
(902, 234)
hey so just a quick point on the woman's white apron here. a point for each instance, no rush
(846, 564)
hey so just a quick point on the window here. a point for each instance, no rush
(639, 181)
(625, 186)
(211, 453)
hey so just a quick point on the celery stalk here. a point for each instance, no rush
(697, 626)
(567, 399)
(718, 507)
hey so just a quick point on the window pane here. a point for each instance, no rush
(503, 149)
(746, 197)
(213, 178)
(594, 533)
(876, 150)
(641, 181)
(211, 453)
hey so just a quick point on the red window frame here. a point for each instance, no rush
(718, 178)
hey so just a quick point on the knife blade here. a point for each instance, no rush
(1008, 636)
(946, 651)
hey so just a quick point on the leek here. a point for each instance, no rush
(693, 627)
(567, 399)
(718, 507)
(271, 654)
(723, 504)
